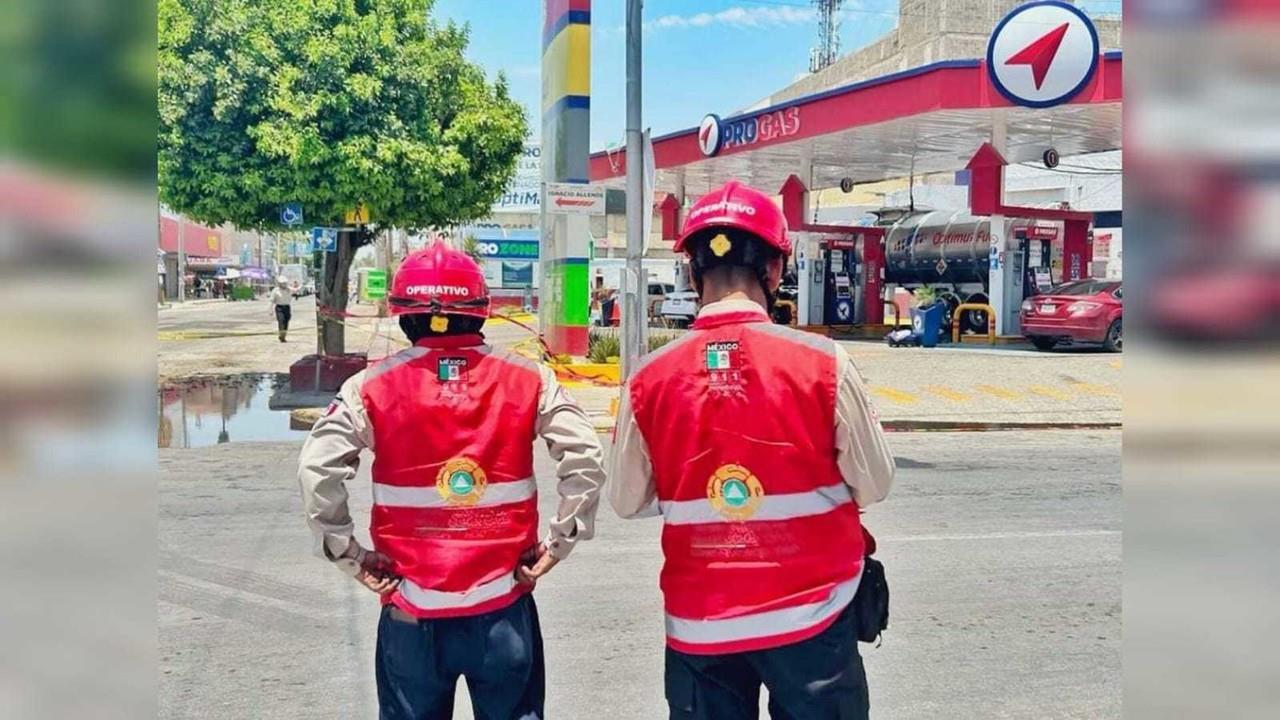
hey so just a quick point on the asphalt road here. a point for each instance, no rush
(1002, 550)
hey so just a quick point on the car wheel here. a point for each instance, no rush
(1043, 343)
(1115, 337)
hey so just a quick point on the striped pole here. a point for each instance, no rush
(564, 294)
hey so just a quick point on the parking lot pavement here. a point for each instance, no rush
(973, 384)
(1003, 552)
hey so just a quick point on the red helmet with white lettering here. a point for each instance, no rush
(441, 281)
(737, 207)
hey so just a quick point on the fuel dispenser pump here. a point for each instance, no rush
(841, 268)
(1036, 251)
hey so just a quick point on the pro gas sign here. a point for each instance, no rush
(1042, 53)
(715, 134)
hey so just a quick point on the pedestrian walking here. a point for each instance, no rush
(282, 301)
(758, 446)
(455, 553)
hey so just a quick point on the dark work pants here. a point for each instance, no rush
(821, 678)
(499, 653)
(283, 314)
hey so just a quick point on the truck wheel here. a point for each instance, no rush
(1043, 343)
(1115, 337)
(974, 321)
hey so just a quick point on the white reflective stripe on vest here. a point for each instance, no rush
(425, 599)
(772, 507)
(429, 497)
(765, 624)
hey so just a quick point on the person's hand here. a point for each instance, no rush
(535, 563)
(372, 569)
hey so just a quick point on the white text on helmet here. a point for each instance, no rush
(437, 290)
(722, 206)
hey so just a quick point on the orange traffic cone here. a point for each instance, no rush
(615, 317)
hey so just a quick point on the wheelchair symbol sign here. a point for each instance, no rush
(291, 214)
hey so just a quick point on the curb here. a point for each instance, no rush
(972, 426)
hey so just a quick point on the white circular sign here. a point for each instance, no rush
(1042, 53)
(709, 135)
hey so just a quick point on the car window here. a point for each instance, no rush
(1119, 293)
(1082, 287)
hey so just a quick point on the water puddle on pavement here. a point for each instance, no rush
(214, 410)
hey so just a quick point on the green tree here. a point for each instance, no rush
(331, 104)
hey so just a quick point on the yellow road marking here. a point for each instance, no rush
(1092, 389)
(948, 393)
(999, 392)
(1049, 392)
(895, 395)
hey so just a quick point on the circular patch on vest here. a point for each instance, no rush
(461, 481)
(734, 492)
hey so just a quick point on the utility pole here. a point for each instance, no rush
(634, 286)
(828, 47)
(182, 270)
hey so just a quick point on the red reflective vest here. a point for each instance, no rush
(454, 499)
(761, 535)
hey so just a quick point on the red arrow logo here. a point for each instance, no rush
(1040, 54)
(702, 138)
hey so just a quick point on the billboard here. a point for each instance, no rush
(523, 193)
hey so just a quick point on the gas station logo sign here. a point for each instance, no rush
(1042, 53)
(709, 135)
(715, 134)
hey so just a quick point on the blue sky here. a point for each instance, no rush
(700, 56)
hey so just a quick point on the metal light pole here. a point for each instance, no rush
(634, 285)
(182, 262)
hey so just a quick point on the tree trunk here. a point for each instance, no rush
(337, 266)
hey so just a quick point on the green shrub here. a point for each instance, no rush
(924, 297)
(658, 340)
(603, 345)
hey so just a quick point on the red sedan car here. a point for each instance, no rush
(1085, 311)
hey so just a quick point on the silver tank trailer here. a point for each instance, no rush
(915, 243)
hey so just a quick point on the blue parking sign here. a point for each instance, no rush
(291, 214)
(324, 239)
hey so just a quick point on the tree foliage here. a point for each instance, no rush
(330, 103)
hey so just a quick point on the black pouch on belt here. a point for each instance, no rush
(871, 602)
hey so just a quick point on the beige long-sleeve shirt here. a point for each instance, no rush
(862, 453)
(331, 456)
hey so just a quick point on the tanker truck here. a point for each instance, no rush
(947, 250)
(950, 251)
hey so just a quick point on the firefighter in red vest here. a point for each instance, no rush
(451, 422)
(758, 446)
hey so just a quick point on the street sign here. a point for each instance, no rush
(375, 284)
(359, 216)
(575, 199)
(324, 239)
(291, 214)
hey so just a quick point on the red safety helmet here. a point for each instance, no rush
(737, 206)
(441, 281)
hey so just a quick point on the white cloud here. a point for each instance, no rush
(736, 17)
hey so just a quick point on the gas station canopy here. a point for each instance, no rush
(926, 120)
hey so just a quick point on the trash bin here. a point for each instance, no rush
(926, 323)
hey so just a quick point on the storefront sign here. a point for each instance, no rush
(516, 249)
(523, 192)
(715, 134)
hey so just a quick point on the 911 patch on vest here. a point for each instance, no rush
(451, 369)
(461, 481)
(734, 492)
(451, 372)
(724, 368)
